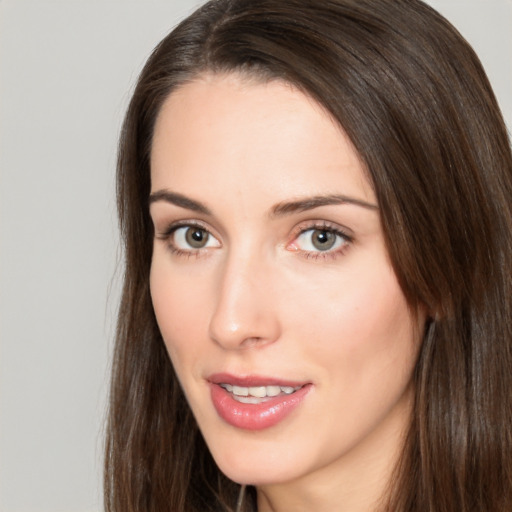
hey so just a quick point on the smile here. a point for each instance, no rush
(257, 394)
(255, 403)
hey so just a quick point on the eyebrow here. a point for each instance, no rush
(280, 209)
(178, 200)
(310, 203)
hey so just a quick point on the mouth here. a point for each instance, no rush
(258, 394)
(255, 403)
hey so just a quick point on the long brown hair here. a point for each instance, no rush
(416, 103)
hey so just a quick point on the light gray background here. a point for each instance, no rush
(66, 71)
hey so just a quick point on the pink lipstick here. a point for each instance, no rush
(255, 403)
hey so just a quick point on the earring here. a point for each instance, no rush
(240, 500)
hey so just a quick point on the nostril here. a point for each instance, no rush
(254, 331)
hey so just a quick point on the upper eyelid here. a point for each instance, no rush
(337, 232)
(299, 228)
(170, 227)
(323, 224)
(167, 236)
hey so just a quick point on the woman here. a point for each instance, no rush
(314, 198)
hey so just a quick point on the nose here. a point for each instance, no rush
(245, 313)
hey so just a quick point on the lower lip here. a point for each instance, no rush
(255, 416)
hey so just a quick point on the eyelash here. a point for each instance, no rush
(301, 230)
(328, 254)
(172, 228)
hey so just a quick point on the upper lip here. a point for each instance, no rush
(251, 380)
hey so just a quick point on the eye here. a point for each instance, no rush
(186, 238)
(321, 240)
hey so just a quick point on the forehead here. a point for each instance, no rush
(227, 129)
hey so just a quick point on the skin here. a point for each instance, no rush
(259, 298)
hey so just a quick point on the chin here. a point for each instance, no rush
(258, 476)
(254, 461)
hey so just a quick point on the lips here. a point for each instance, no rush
(255, 403)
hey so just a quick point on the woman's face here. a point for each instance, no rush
(272, 287)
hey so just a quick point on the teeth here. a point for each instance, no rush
(273, 390)
(259, 391)
(240, 391)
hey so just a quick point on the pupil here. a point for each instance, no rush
(196, 238)
(323, 240)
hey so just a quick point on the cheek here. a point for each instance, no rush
(179, 303)
(364, 343)
(361, 329)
